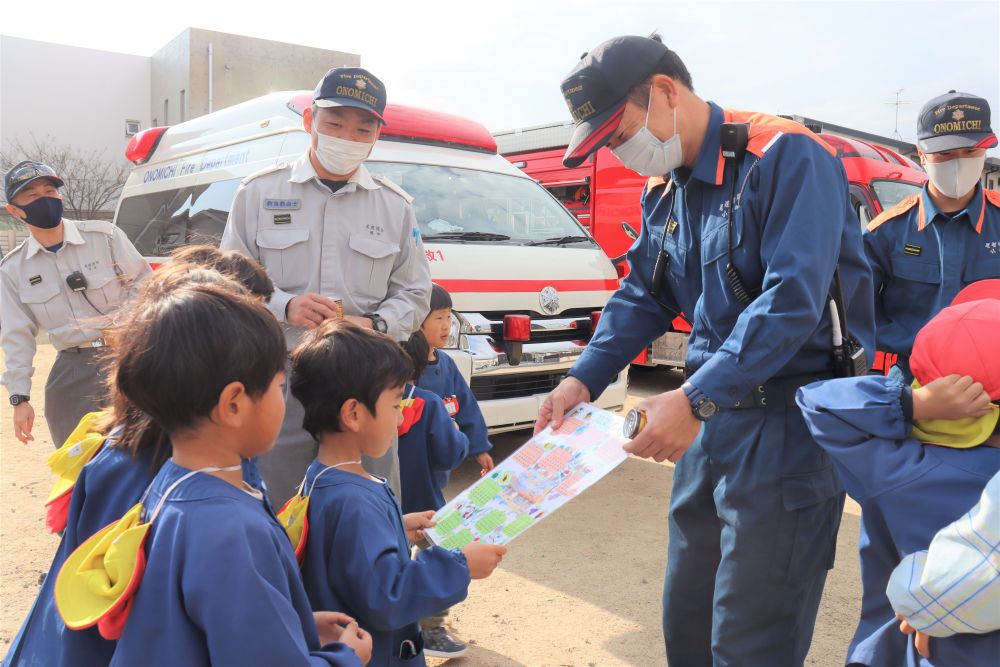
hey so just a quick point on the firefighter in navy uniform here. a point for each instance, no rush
(925, 249)
(756, 503)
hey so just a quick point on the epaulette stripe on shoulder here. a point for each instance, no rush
(388, 183)
(897, 210)
(102, 226)
(13, 252)
(266, 170)
(766, 129)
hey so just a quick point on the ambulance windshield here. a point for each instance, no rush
(466, 205)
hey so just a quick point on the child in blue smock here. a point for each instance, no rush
(430, 443)
(441, 376)
(118, 474)
(221, 583)
(357, 556)
(916, 460)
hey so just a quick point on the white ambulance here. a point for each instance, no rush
(528, 282)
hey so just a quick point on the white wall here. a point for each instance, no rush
(76, 96)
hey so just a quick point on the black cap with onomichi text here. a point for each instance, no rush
(351, 87)
(595, 90)
(23, 173)
(955, 120)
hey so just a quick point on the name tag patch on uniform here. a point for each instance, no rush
(282, 218)
(34, 280)
(671, 226)
(282, 204)
(911, 249)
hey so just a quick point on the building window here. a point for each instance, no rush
(166, 112)
(182, 105)
(132, 127)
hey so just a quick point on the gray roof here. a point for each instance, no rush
(535, 138)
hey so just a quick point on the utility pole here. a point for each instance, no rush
(898, 103)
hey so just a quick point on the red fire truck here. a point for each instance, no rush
(604, 195)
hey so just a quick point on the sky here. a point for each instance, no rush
(501, 63)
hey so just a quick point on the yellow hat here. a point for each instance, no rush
(97, 582)
(67, 461)
(958, 433)
(294, 518)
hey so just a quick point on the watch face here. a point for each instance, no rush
(635, 421)
(707, 409)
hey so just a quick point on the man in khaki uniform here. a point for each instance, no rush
(68, 278)
(337, 241)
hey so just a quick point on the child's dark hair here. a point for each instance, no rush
(439, 298)
(134, 430)
(419, 351)
(244, 270)
(178, 350)
(338, 361)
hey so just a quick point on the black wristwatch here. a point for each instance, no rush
(702, 407)
(378, 323)
(17, 399)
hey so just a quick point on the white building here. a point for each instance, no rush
(91, 102)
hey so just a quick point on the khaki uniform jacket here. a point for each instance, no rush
(360, 245)
(34, 294)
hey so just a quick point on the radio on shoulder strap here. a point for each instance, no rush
(733, 142)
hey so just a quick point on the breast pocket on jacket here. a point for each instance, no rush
(45, 303)
(915, 269)
(105, 289)
(285, 255)
(371, 262)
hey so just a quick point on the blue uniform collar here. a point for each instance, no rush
(706, 167)
(336, 476)
(198, 487)
(974, 212)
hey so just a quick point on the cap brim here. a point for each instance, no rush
(55, 180)
(982, 289)
(326, 104)
(591, 134)
(950, 142)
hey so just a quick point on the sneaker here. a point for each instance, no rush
(439, 644)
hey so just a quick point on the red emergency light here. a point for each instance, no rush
(517, 328)
(141, 146)
(595, 319)
(406, 123)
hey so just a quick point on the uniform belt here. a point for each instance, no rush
(776, 392)
(96, 343)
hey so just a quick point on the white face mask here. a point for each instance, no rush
(340, 156)
(956, 177)
(647, 155)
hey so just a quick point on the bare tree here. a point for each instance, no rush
(92, 180)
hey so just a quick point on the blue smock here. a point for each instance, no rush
(431, 446)
(358, 561)
(908, 491)
(221, 585)
(108, 486)
(444, 379)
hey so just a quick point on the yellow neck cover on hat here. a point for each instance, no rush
(959, 433)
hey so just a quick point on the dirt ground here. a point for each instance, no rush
(582, 589)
